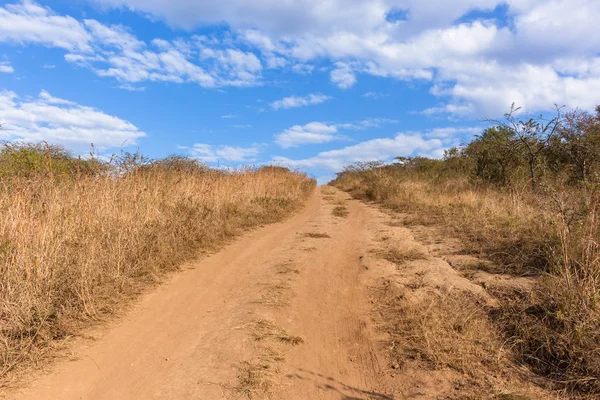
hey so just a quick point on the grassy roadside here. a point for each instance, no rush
(550, 235)
(79, 239)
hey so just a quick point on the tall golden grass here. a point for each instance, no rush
(75, 248)
(551, 235)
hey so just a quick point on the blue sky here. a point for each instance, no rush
(309, 84)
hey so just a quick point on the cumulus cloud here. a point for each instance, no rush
(29, 22)
(372, 150)
(449, 133)
(312, 133)
(431, 143)
(536, 57)
(114, 51)
(60, 121)
(303, 69)
(296, 101)
(272, 16)
(224, 154)
(319, 132)
(367, 123)
(238, 68)
(131, 88)
(343, 76)
(426, 44)
(6, 67)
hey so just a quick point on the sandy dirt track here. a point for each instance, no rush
(211, 332)
(292, 310)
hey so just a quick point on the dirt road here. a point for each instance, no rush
(281, 312)
(309, 308)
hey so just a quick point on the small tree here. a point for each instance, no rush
(493, 154)
(531, 136)
(579, 143)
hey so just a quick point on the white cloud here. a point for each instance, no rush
(122, 56)
(428, 45)
(228, 116)
(272, 16)
(113, 51)
(343, 76)
(6, 67)
(490, 90)
(312, 133)
(29, 22)
(46, 97)
(374, 95)
(542, 53)
(238, 68)
(450, 133)
(431, 143)
(296, 101)
(403, 144)
(367, 123)
(303, 69)
(224, 154)
(61, 121)
(131, 88)
(319, 132)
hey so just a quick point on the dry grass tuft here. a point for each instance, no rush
(340, 211)
(328, 191)
(76, 244)
(401, 255)
(317, 235)
(255, 380)
(287, 268)
(265, 330)
(276, 295)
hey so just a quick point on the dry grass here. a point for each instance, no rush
(551, 235)
(509, 227)
(276, 295)
(328, 193)
(401, 255)
(317, 235)
(452, 331)
(340, 211)
(287, 268)
(328, 190)
(256, 377)
(255, 380)
(75, 249)
(447, 330)
(265, 330)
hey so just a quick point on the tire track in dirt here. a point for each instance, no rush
(331, 311)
